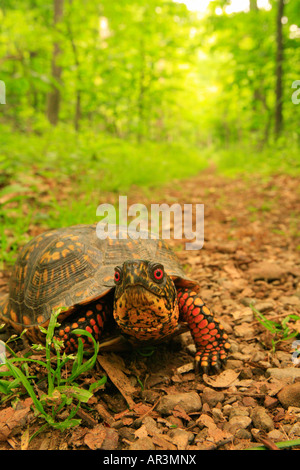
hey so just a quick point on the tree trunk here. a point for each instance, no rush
(54, 95)
(279, 70)
(253, 5)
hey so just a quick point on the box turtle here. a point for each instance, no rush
(135, 285)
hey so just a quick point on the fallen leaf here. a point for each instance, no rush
(223, 380)
(179, 412)
(94, 439)
(214, 432)
(11, 420)
(141, 432)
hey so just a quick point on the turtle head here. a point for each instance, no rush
(145, 303)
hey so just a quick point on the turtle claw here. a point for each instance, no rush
(205, 365)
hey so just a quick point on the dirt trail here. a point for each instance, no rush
(250, 256)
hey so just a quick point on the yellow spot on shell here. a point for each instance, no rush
(26, 320)
(59, 244)
(13, 316)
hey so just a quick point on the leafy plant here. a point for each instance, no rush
(280, 330)
(61, 392)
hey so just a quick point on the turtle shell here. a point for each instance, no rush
(71, 266)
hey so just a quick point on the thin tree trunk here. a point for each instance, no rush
(279, 70)
(253, 5)
(77, 114)
(54, 95)
(142, 88)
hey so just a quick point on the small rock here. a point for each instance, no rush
(284, 373)
(227, 410)
(266, 270)
(261, 419)
(189, 401)
(249, 401)
(295, 430)
(292, 300)
(247, 301)
(244, 330)
(234, 364)
(150, 396)
(212, 397)
(244, 314)
(264, 306)
(238, 411)
(236, 423)
(270, 402)
(144, 443)
(181, 438)
(276, 435)
(217, 414)
(243, 434)
(175, 421)
(290, 395)
(283, 357)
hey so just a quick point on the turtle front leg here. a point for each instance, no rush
(91, 317)
(208, 334)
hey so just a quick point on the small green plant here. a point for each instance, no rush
(61, 392)
(280, 330)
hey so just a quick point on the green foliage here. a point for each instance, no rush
(62, 393)
(150, 70)
(279, 330)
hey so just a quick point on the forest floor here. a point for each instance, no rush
(158, 402)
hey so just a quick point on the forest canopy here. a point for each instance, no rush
(152, 69)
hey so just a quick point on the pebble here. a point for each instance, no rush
(292, 300)
(270, 402)
(243, 434)
(181, 438)
(227, 410)
(249, 401)
(238, 411)
(264, 306)
(266, 270)
(144, 443)
(189, 401)
(284, 373)
(261, 419)
(244, 330)
(212, 397)
(175, 421)
(236, 423)
(295, 430)
(290, 395)
(276, 435)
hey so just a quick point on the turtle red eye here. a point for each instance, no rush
(117, 276)
(158, 274)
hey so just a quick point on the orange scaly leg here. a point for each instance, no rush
(91, 317)
(208, 334)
